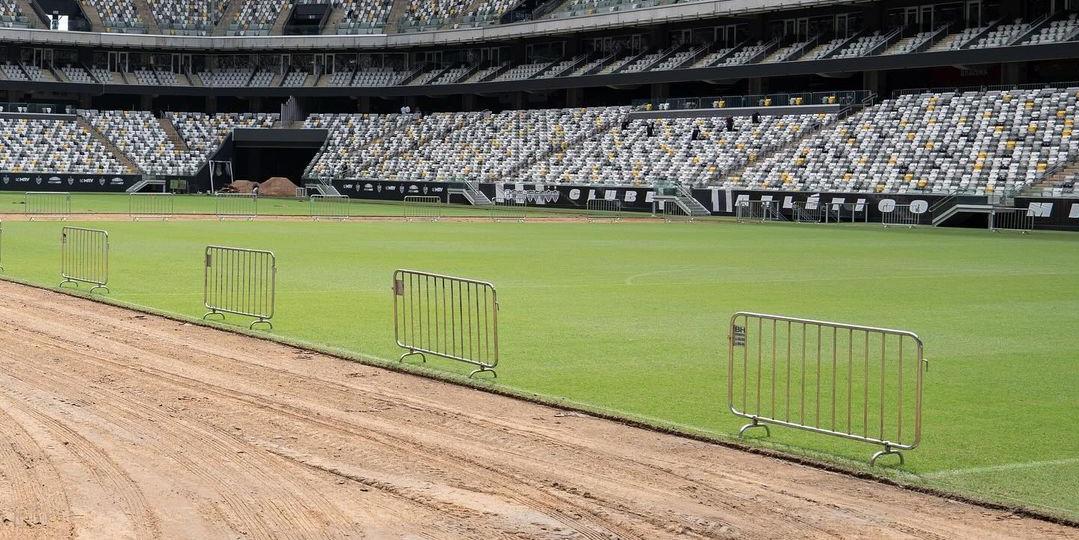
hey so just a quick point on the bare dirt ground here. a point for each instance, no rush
(115, 424)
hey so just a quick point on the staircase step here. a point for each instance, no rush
(101, 138)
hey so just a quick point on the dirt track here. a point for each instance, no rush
(119, 425)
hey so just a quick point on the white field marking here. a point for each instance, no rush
(631, 279)
(999, 468)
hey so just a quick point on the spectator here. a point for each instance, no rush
(650, 129)
(696, 133)
(730, 123)
(756, 117)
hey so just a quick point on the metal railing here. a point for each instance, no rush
(671, 211)
(151, 205)
(900, 216)
(55, 204)
(240, 281)
(758, 211)
(451, 317)
(508, 210)
(338, 207)
(236, 205)
(817, 213)
(856, 382)
(1011, 219)
(604, 210)
(422, 208)
(838, 97)
(84, 257)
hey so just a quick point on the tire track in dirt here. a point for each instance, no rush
(404, 455)
(396, 445)
(32, 498)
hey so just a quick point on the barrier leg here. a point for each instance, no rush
(103, 287)
(754, 424)
(212, 312)
(269, 325)
(61, 285)
(422, 356)
(483, 369)
(888, 451)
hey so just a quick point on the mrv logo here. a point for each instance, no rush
(531, 196)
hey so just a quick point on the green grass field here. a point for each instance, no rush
(632, 317)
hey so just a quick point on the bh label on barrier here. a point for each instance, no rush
(738, 337)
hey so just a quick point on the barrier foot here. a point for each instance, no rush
(102, 287)
(423, 357)
(888, 451)
(61, 285)
(483, 370)
(754, 424)
(269, 325)
(214, 313)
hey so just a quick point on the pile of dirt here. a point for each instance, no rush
(242, 186)
(277, 187)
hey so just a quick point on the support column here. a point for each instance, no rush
(574, 97)
(873, 81)
(754, 85)
(211, 104)
(660, 91)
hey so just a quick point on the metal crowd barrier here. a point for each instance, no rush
(850, 381)
(672, 211)
(47, 204)
(900, 216)
(851, 212)
(821, 213)
(236, 205)
(241, 282)
(509, 210)
(1011, 219)
(760, 211)
(151, 205)
(422, 208)
(84, 257)
(330, 207)
(604, 210)
(451, 317)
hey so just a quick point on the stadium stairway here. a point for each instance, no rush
(684, 198)
(278, 28)
(174, 136)
(92, 16)
(101, 138)
(227, 18)
(337, 14)
(146, 15)
(31, 16)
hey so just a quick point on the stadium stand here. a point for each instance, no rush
(188, 17)
(860, 46)
(12, 72)
(977, 142)
(11, 16)
(1056, 31)
(140, 136)
(229, 77)
(53, 146)
(1002, 35)
(488, 146)
(256, 17)
(119, 15)
(363, 16)
(686, 151)
(77, 74)
(203, 133)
